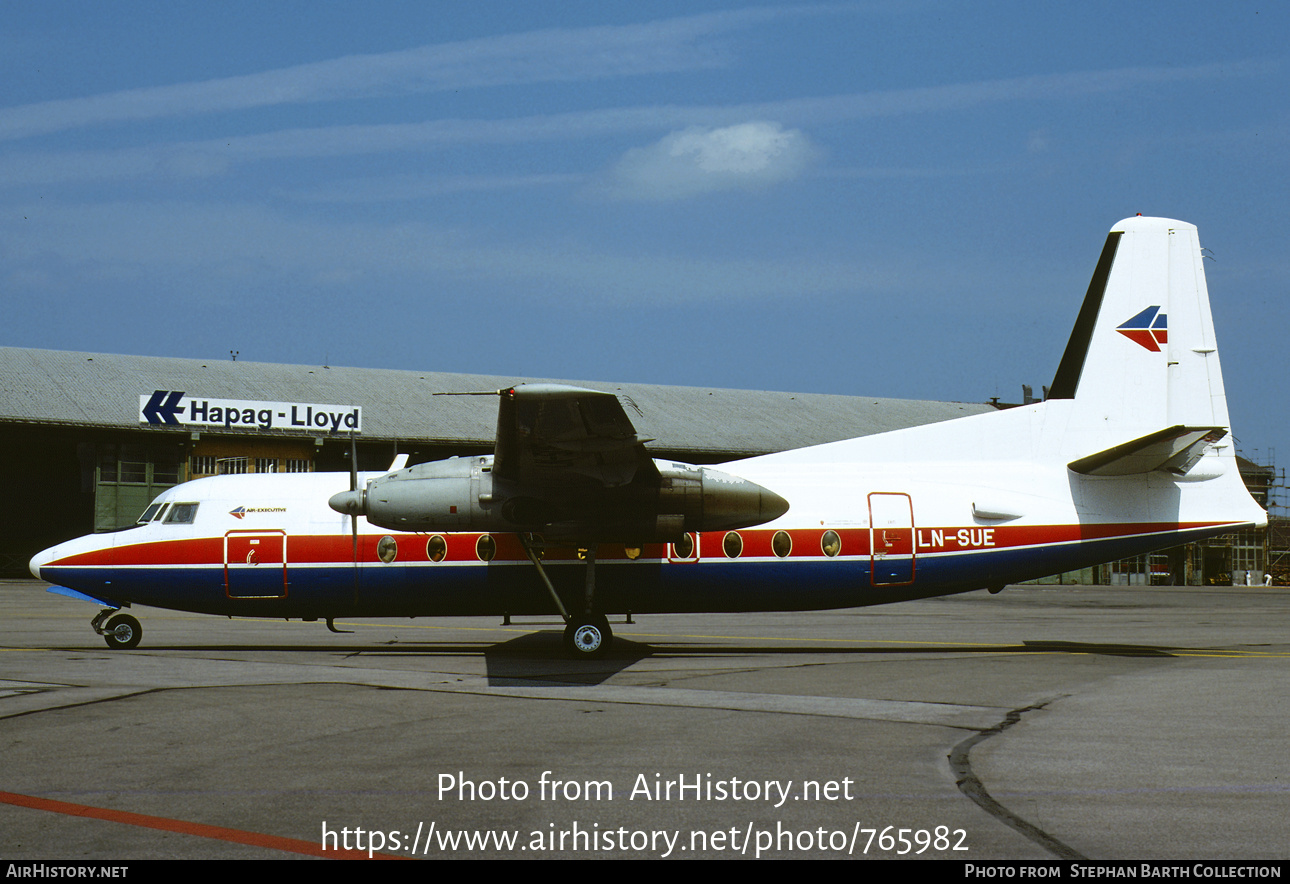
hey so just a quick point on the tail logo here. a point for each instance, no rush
(1148, 328)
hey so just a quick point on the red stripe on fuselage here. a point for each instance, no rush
(335, 549)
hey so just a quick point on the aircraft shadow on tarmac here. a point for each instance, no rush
(537, 656)
(540, 657)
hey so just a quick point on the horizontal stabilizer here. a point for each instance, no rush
(1176, 449)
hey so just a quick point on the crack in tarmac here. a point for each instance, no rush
(971, 786)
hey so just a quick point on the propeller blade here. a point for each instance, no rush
(353, 527)
(353, 463)
(357, 505)
(352, 503)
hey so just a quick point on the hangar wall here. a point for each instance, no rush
(90, 439)
(70, 481)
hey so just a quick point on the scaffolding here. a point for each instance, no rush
(1242, 558)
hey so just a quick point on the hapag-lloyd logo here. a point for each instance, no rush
(179, 409)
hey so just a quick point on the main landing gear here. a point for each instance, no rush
(588, 634)
(121, 632)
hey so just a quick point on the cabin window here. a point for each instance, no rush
(436, 548)
(683, 548)
(181, 514)
(732, 544)
(387, 549)
(781, 544)
(830, 543)
(485, 547)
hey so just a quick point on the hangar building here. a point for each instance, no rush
(90, 438)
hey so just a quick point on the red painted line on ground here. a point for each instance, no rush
(219, 833)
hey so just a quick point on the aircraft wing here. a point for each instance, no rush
(550, 436)
(568, 464)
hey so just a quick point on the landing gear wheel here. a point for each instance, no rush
(122, 633)
(588, 637)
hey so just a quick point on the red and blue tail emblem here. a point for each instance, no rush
(1148, 328)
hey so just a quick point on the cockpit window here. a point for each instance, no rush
(181, 513)
(150, 513)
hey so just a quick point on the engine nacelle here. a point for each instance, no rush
(444, 495)
(462, 494)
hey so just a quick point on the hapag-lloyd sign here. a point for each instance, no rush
(178, 409)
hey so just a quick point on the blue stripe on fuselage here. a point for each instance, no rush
(427, 589)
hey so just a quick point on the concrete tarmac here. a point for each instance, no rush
(1042, 723)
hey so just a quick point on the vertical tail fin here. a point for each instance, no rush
(1142, 356)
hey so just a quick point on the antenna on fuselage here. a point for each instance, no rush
(474, 392)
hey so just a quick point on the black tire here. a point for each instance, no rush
(122, 633)
(588, 637)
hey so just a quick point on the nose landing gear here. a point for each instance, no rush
(121, 632)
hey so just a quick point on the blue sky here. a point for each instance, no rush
(889, 199)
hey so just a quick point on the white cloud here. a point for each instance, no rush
(552, 55)
(177, 158)
(698, 160)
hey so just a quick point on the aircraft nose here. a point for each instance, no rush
(39, 560)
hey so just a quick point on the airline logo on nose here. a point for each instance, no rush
(1148, 328)
(243, 511)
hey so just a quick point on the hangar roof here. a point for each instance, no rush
(102, 390)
